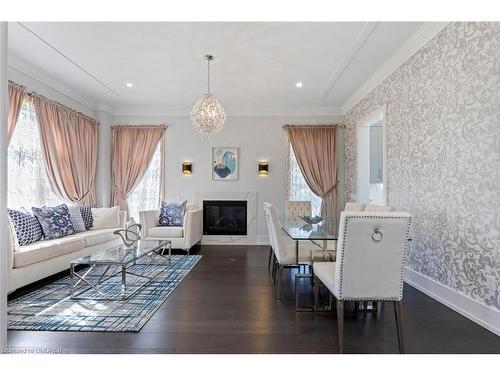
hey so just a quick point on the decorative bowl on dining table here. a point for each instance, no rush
(312, 219)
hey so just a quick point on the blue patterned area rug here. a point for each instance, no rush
(51, 309)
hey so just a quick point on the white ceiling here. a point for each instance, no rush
(256, 66)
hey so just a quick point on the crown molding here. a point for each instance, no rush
(356, 45)
(415, 43)
(157, 111)
(104, 107)
(42, 77)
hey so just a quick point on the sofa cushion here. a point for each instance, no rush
(42, 250)
(26, 227)
(166, 232)
(98, 236)
(55, 221)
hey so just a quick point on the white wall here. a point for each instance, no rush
(258, 137)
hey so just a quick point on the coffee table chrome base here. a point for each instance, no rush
(82, 279)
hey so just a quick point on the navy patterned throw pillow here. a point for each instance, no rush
(55, 221)
(26, 226)
(86, 212)
(172, 214)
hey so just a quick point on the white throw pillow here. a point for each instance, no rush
(106, 218)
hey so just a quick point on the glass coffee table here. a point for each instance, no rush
(117, 261)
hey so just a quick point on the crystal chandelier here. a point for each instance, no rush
(208, 115)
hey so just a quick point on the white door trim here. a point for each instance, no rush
(3, 185)
(362, 138)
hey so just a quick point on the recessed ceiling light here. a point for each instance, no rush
(298, 84)
(129, 84)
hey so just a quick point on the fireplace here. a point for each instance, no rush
(224, 217)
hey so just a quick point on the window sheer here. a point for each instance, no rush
(146, 196)
(297, 186)
(28, 183)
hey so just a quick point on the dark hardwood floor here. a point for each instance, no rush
(226, 305)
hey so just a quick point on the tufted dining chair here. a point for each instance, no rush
(298, 208)
(369, 267)
(354, 206)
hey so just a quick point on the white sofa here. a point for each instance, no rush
(40, 259)
(184, 237)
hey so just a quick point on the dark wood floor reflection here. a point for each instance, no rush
(226, 305)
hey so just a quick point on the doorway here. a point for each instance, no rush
(371, 158)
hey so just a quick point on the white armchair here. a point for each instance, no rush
(369, 267)
(183, 238)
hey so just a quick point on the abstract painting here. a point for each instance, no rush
(225, 163)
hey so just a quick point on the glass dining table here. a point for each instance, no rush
(319, 234)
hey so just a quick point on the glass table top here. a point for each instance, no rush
(121, 255)
(298, 229)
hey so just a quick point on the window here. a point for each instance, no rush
(146, 196)
(297, 186)
(28, 183)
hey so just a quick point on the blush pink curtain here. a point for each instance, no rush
(133, 150)
(315, 150)
(69, 146)
(16, 97)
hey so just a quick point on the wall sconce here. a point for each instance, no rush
(263, 168)
(187, 167)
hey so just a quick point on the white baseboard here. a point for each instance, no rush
(479, 313)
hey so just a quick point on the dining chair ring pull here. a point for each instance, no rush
(377, 235)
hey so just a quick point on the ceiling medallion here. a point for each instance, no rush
(208, 115)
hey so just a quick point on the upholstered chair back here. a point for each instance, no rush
(298, 208)
(354, 207)
(377, 208)
(270, 230)
(370, 255)
(277, 241)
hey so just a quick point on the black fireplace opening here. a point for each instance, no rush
(225, 218)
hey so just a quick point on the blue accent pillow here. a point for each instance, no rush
(87, 217)
(26, 226)
(172, 214)
(55, 221)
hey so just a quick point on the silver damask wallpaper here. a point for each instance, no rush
(443, 155)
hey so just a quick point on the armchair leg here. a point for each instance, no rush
(399, 325)
(340, 323)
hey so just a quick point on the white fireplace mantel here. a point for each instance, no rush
(250, 197)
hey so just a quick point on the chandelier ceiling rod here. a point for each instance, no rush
(209, 58)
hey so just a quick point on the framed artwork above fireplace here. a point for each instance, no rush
(225, 163)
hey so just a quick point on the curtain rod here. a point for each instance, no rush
(313, 126)
(164, 126)
(34, 94)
